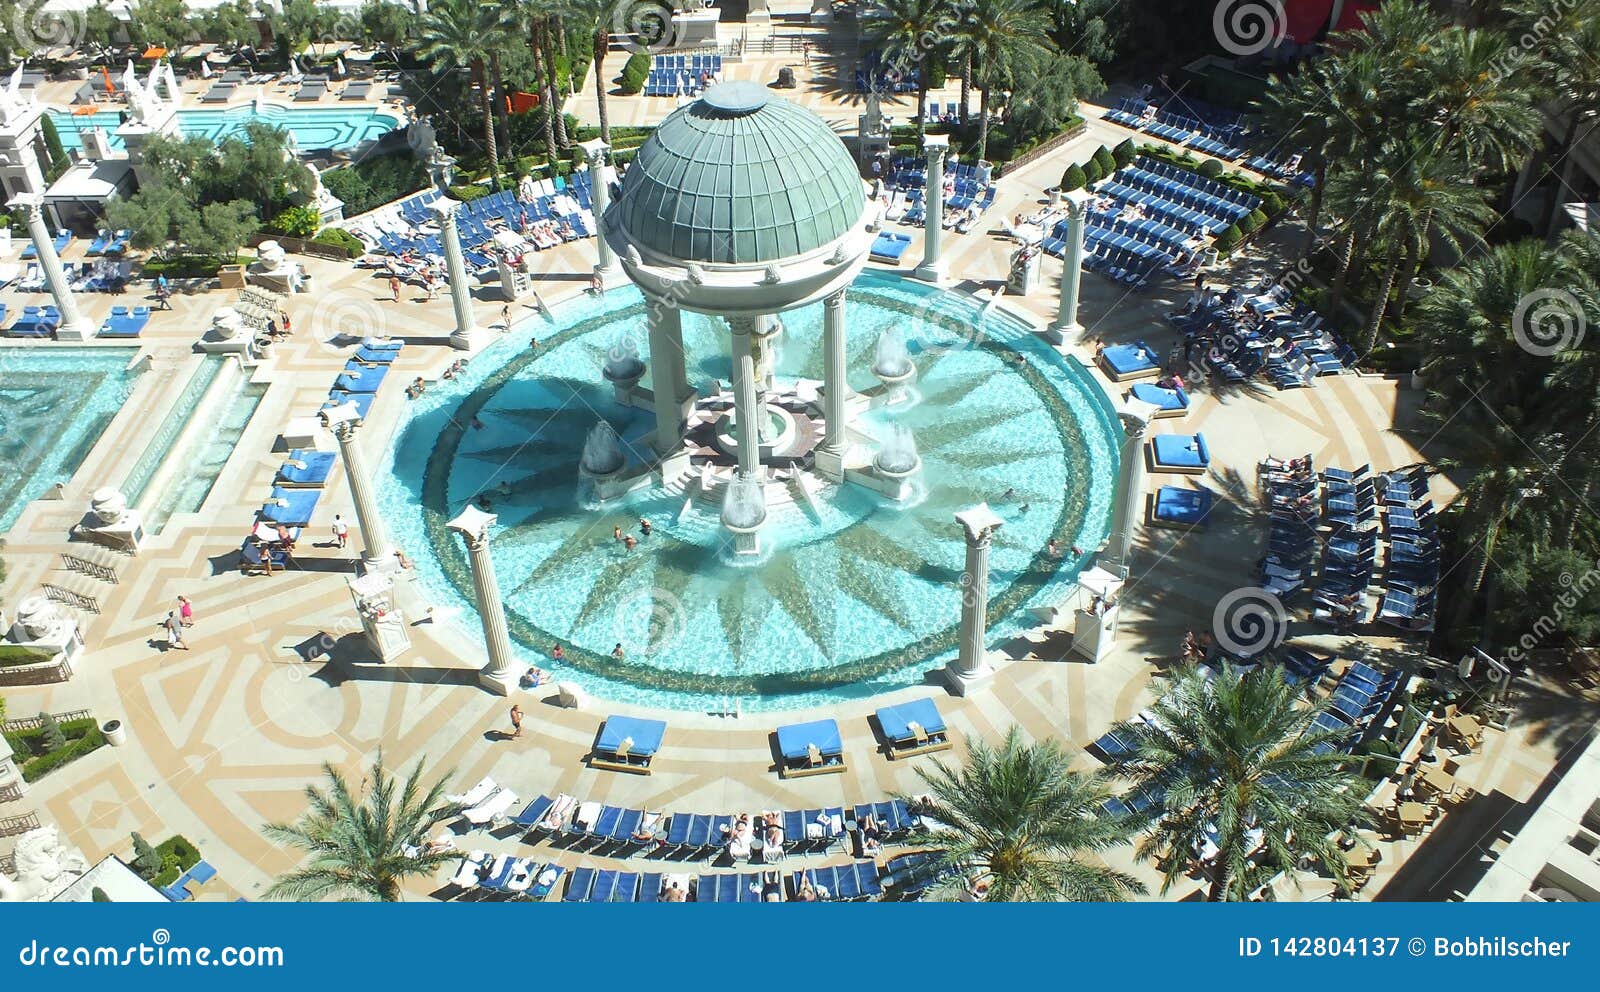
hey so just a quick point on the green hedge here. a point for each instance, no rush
(634, 73)
(1104, 159)
(1210, 168)
(178, 855)
(466, 194)
(338, 237)
(1252, 222)
(1228, 240)
(374, 181)
(1124, 153)
(1092, 172)
(83, 736)
(1073, 178)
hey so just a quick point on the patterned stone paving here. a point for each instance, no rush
(224, 737)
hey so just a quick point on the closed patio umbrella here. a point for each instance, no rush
(205, 69)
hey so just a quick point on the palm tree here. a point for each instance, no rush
(1003, 40)
(1480, 113)
(363, 846)
(905, 32)
(1569, 35)
(594, 18)
(1235, 761)
(461, 34)
(1020, 825)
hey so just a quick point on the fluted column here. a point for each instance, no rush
(745, 412)
(1136, 416)
(835, 388)
(971, 667)
(600, 191)
(73, 326)
(932, 267)
(663, 323)
(473, 525)
(1066, 327)
(455, 262)
(377, 553)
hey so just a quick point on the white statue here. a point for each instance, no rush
(108, 505)
(45, 867)
(11, 99)
(37, 620)
(270, 255)
(134, 91)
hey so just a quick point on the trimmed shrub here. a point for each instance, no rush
(1228, 240)
(36, 757)
(50, 732)
(936, 73)
(59, 162)
(474, 191)
(1251, 223)
(1124, 153)
(177, 855)
(296, 222)
(1271, 203)
(97, 894)
(1073, 178)
(1092, 172)
(145, 859)
(1104, 159)
(1211, 168)
(634, 73)
(338, 237)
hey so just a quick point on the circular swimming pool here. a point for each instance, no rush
(854, 593)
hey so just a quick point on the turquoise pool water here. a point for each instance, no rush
(164, 439)
(206, 457)
(312, 127)
(855, 597)
(54, 405)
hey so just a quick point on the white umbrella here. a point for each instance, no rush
(205, 69)
(338, 65)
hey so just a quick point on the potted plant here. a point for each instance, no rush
(115, 733)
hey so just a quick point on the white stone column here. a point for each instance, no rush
(971, 670)
(377, 553)
(745, 412)
(663, 324)
(932, 267)
(1066, 328)
(466, 332)
(74, 326)
(473, 525)
(12, 784)
(600, 191)
(1136, 416)
(835, 388)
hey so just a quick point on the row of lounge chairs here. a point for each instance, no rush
(1179, 128)
(1242, 337)
(125, 323)
(1411, 553)
(681, 75)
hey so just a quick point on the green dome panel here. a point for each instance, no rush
(740, 177)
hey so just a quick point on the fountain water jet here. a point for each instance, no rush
(897, 461)
(600, 464)
(744, 510)
(623, 368)
(892, 365)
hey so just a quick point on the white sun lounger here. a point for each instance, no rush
(475, 795)
(560, 812)
(491, 809)
(466, 876)
(521, 876)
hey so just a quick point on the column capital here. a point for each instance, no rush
(741, 324)
(444, 208)
(595, 151)
(1077, 203)
(834, 300)
(979, 523)
(1136, 416)
(473, 524)
(935, 146)
(33, 203)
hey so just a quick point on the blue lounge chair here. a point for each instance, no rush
(306, 468)
(649, 889)
(814, 748)
(533, 812)
(376, 356)
(913, 728)
(627, 744)
(1176, 506)
(290, 507)
(1168, 402)
(889, 247)
(339, 397)
(1130, 361)
(579, 885)
(358, 378)
(1184, 454)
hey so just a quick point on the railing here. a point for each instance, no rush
(8, 864)
(10, 826)
(75, 598)
(778, 44)
(35, 722)
(42, 673)
(300, 246)
(95, 569)
(10, 793)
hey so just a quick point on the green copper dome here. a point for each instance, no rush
(740, 176)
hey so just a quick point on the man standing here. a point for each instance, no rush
(516, 720)
(341, 530)
(174, 625)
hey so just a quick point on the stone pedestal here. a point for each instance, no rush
(932, 268)
(112, 522)
(971, 671)
(1096, 613)
(497, 676)
(381, 618)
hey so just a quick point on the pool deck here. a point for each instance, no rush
(225, 736)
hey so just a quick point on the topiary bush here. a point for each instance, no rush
(1211, 168)
(1252, 221)
(1228, 240)
(338, 237)
(1092, 172)
(634, 73)
(1124, 153)
(50, 732)
(1104, 159)
(474, 191)
(1073, 178)
(1271, 203)
(145, 859)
